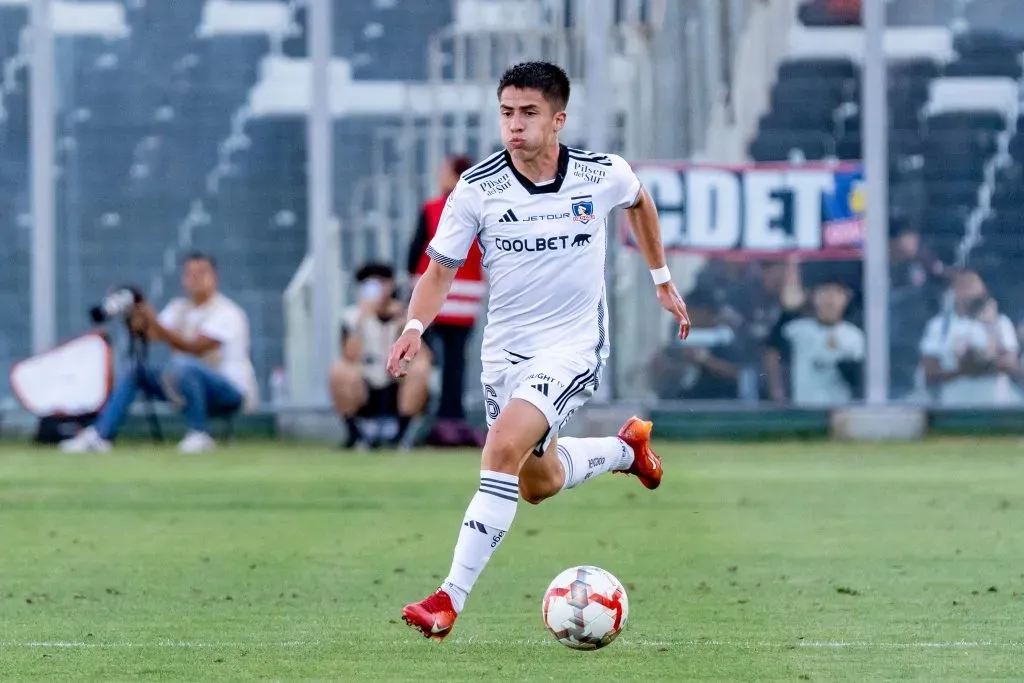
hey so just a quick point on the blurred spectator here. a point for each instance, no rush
(970, 354)
(376, 409)
(210, 372)
(917, 280)
(824, 352)
(450, 331)
(733, 306)
(910, 263)
(707, 366)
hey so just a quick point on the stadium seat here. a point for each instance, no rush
(782, 145)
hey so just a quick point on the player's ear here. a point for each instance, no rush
(559, 121)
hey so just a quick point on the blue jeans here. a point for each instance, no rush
(203, 391)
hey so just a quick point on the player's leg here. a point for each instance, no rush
(629, 452)
(568, 461)
(490, 513)
(514, 431)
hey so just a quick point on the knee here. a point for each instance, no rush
(419, 369)
(344, 374)
(179, 371)
(501, 454)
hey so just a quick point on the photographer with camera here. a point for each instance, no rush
(209, 374)
(376, 408)
(970, 355)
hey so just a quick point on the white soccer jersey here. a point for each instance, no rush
(543, 249)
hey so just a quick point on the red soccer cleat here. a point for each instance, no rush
(646, 465)
(434, 617)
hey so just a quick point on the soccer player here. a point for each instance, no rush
(539, 210)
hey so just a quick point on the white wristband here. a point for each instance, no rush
(661, 275)
(413, 324)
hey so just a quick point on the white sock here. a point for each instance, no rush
(584, 459)
(488, 517)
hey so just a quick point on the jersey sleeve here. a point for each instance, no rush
(623, 183)
(458, 227)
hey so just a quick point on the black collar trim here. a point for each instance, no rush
(547, 188)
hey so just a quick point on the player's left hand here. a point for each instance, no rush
(402, 353)
(672, 302)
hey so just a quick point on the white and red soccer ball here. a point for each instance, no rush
(585, 608)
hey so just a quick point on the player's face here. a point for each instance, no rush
(529, 123)
(198, 279)
(830, 303)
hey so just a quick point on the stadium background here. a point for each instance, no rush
(181, 125)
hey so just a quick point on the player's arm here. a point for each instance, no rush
(430, 292)
(458, 227)
(643, 218)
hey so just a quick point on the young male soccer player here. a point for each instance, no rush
(539, 210)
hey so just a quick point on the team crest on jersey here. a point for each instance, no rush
(583, 209)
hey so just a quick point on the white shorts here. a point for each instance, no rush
(556, 384)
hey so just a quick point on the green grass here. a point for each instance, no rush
(792, 562)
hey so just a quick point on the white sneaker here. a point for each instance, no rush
(196, 442)
(86, 441)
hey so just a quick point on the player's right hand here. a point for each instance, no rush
(402, 353)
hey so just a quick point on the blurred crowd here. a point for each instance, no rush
(791, 333)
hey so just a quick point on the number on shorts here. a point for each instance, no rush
(492, 406)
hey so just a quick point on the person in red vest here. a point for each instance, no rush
(453, 326)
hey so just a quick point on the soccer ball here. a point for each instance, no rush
(585, 608)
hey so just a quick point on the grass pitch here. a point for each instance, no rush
(781, 561)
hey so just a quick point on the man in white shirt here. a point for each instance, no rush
(210, 372)
(825, 353)
(539, 211)
(970, 355)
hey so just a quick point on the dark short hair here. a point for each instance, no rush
(196, 255)
(550, 79)
(460, 163)
(381, 270)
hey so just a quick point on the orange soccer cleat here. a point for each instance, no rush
(646, 465)
(434, 616)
